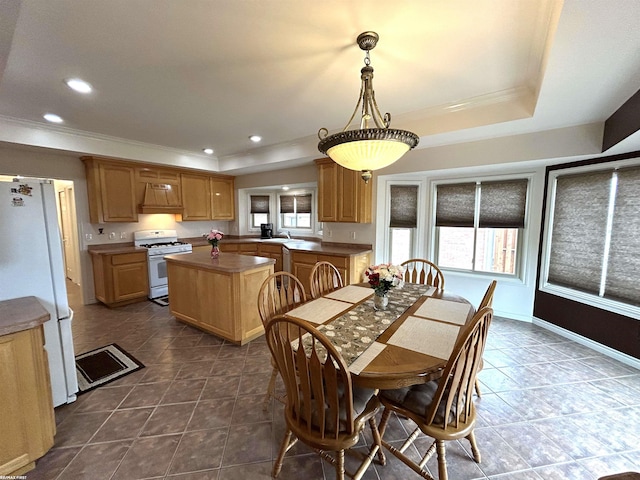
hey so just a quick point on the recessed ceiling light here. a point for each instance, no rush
(53, 118)
(208, 151)
(255, 138)
(78, 85)
(285, 188)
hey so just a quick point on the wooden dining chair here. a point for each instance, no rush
(487, 301)
(418, 270)
(324, 278)
(280, 292)
(442, 409)
(323, 409)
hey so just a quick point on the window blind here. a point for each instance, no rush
(287, 204)
(579, 230)
(455, 205)
(624, 252)
(503, 204)
(404, 206)
(303, 203)
(259, 203)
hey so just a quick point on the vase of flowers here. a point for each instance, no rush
(213, 237)
(382, 279)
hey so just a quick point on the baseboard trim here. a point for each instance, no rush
(598, 347)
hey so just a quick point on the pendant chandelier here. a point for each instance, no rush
(374, 145)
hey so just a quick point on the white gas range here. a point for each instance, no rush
(158, 244)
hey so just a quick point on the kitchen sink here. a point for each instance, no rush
(284, 240)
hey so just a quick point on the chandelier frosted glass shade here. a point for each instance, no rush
(368, 149)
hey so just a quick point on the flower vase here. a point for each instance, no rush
(380, 302)
(215, 251)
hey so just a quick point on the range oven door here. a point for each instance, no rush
(158, 282)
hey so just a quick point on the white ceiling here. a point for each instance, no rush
(181, 75)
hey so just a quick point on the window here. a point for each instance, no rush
(593, 238)
(295, 211)
(403, 220)
(478, 225)
(259, 210)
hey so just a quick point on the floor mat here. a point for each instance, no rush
(103, 365)
(162, 301)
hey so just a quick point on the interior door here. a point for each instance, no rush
(67, 234)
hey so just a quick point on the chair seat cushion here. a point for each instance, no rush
(417, 399)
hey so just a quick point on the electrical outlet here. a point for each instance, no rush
(329, 233)
(123, 235)
(112, 235)
(353, 235)
(88, 236)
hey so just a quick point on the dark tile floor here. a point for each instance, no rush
(550, 409)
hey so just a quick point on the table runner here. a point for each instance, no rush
(358, 328)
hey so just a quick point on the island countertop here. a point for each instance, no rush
(226, 262)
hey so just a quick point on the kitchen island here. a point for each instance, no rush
(220, 295)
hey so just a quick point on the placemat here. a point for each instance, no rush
(426, 336)
(351, 294)
(319, 310)
(366, 358)
(445, 310)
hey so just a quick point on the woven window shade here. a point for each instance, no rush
(287, 204)
(624, 254)
(579, 230)
(404, 206)
(455, 205)
(303, 203)
(502, 204)
(259, 203)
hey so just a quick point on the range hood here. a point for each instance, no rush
(161, 198)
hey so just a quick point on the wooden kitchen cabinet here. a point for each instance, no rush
(196, 197)
(120, 278)
(207, 198)
(351, 267)
(26, 415)
(342, 194)
(112, 191)
(222, 199)
(272, 251)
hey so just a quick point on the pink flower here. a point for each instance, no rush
(214, 236)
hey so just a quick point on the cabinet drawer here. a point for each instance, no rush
(300, 257)
(271, 248)
(336, 261)
(248, 248)
(124, 258)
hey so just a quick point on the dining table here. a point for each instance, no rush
(406, 344)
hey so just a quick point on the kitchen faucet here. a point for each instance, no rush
(287, 233)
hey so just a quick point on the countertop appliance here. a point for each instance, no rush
(266, 230)
(158, 244)
(32, 263)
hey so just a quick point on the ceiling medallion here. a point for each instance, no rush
(374, 145)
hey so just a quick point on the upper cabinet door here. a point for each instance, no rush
(111, 190)
(342, 194)
(196, 197)
(327, 190)
(222, 199)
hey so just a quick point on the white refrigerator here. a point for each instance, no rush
(32, 264)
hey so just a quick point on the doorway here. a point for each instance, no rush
(69, 231)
